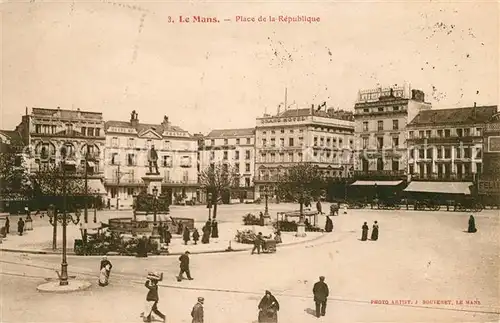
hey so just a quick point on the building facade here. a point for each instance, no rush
(235, 147)
(381, 116)
(323, 137)
(128, 144)
(447, 144)
(75, 136)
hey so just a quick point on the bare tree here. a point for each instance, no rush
(301, 183)
(216, 180)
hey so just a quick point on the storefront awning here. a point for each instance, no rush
(378, 183)
(96, 187)
(440, 187)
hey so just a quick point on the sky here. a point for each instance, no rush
(116, 57)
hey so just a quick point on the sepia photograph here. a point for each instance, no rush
(249, 161)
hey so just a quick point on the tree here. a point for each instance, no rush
(301, 183)
(14, 179)
(216, 180)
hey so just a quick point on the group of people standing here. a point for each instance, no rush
(364, 230)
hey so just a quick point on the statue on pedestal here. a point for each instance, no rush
(153, 160)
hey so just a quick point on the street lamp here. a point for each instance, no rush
(155, 197)
(209, 205)
(266, 196)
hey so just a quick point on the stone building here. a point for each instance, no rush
(128, 145)
(52, 135)
(489, 179)
(316, 135)
(235, 147)
(447, 144)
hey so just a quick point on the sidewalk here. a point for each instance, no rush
(39, 240)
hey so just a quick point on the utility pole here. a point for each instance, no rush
(64, 265)
(85, 212)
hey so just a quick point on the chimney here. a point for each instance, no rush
(165, 121)
(474, 111)
(312, 109)
(134, 119)
(474, 104)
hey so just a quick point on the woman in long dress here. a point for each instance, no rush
(104, 275)
(364, 234)
(472, 225)
(329, 224)
(375, 231)
(268, 308)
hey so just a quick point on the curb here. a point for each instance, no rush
(50, 252)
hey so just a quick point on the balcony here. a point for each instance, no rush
(123, 182)
(170, 182)
(443, 177)
(380, 174)
(451, 139)
(266, 179)
(78, 172)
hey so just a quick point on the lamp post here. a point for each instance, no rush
(266, 196)
(209, 205)
(155, 197)
(85, 210)
(345, 182)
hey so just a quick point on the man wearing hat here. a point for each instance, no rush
(320, 291)
(152, 298)
(197, 311)
(184, 259)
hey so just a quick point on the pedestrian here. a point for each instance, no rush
(168, 235)
(197, 313)
(364, 235)
(374, 236)
(320, 291)
(7, 224)
(329, 224)
(268, 308)
(104, 275)
(185, 235)
(105, 262)
(184, 264)
(179, 228)
(109, 204)
(277, 236)
(472, 225)
(152, 298)
(208, 224)
(206, 235)
(196, 236)
(142, 247)
(20, 226)
(161, 232)
(257, 243)
(318, 207)
(215, 229)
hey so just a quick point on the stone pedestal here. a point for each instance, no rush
(301, 230)
(155, 236)
(267, 220)
(153, 180)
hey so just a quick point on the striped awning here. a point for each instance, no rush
(440, 187)
(378, 183)
(96, 187)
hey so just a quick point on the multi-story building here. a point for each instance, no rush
(323, 137)
(489, 180)
(447, 144)
(56, 134)
(127, 146)
(235, 147)
(381, 116)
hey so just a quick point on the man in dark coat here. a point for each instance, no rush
(206, 234)
(257, 243)
(329, 224)
(142, 247)
(318, 207)
(208, 225)
(184, 264)
(168, 235)
(364, 234)
(153, 297)
(268, 308)
(185, 235)
(197, 312)
(320, 291)
(472, 225)
(180, 228)
(7, 224)
(374, 236)
(20, 226)
(215, 229)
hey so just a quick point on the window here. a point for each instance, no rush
(479, 168)
(291, 130)
(428, 133)
(247, 154)
(225, 155)
(321, 141)
(412, 153)
(130, 191)
(212, 155)
(247, 182)
(380, 125)
(340, 142)
(263, 132)
(421, 134)
(466, 132)
(114, 142)
(290, 157)
(97, 132)
(467, 169)
(365, 125)
(395, 108)
(90, 132)
(282, 157)
(365, 143)
(114, 159)
(447, 132)
(247, 167)
(395, 165)
(447, 152)
(282, 130)
(467, 152)
(395, 124)
(131, 160)
(412, 169)
(366, 110)
(225, 142)
(429, 153)
(69, 128)
(479, 153)
(38, 128)
(237, 155)
(83, 131)
(421, 153)
(301, 141)
(237, 167)
(380, 164)
(273, 142)
(395, 142)
(412, 134)
(439, 152)
(315, 141)
(440, 133)
(263, 157)
(380, 109)
(301, 157)
(131, 143)
(290, 142)
(479, 132)
(272, 132)
(248, 141)
(460, 133)
(212, 142)
(167, 161)
(113, 192)
(264, 142)
(282, 142)
(328, 142)
(273, 157)
(237, 141)
(380, 142)
(458, 153)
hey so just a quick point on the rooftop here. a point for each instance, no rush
(241, 132)
(66, 114)
(325, 113)
(466, 115)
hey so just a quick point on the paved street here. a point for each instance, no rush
(419, 256)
